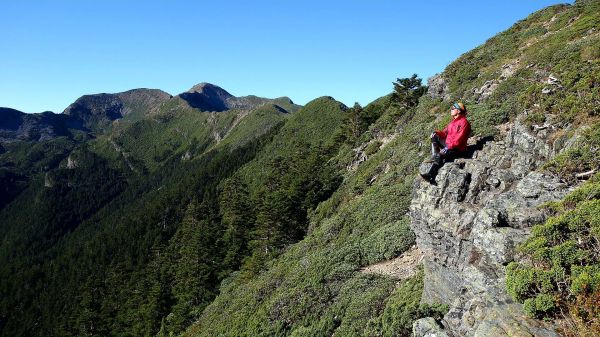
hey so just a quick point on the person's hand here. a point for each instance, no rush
(444, 150)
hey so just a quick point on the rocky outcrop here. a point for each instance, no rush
(437, 87)
(468, 225)
(428, 327)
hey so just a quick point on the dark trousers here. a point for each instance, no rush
(437, 144)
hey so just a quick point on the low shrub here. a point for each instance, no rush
(559, 276)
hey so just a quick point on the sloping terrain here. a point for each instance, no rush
(206, 214)
(97, 112)
(17, 125)
(209, 97)
(541, 74)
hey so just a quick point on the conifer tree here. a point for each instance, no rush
(194, 276)
(237, 218)
(408, 90)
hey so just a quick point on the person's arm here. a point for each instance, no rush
(442, 134)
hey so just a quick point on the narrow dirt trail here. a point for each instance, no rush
(402, 267)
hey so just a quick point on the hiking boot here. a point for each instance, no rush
(435, 159)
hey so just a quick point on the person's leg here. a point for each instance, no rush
(437, 144)
(428, 170)
(450, 155)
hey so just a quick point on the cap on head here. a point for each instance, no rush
(460, 106)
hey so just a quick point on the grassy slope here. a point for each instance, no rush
(314, 289)
(561, 41)
(252, 125)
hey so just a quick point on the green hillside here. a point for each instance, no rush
(98, 234)
(315, 288)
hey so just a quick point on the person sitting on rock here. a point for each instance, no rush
(452, 141)
(449, 143)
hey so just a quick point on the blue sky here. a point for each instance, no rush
(53, 52)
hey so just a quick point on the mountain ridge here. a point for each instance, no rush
(95, 113)
(522, 79)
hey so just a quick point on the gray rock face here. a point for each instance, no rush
(437, 87)
(428, 327)
(468, 225)
(486, 90)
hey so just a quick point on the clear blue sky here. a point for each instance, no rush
(52, 52)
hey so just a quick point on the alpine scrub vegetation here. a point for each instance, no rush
(303, 292)
(560, 273)
(581, 159)
(545, 67)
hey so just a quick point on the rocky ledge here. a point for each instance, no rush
(468, 225)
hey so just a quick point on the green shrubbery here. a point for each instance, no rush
(561, 269)
(314, 288)
(388, 242)
(582, 157)
(151, 258)
(402, 308)
(484, 119)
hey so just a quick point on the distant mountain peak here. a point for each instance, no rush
(209, 97)
(209, 89)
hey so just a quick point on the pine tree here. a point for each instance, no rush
(408, 90)
(194, 277)
(355, 122)
(237, 218)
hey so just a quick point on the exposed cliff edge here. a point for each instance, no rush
(468, 225)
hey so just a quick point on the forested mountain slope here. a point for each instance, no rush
(91, 227)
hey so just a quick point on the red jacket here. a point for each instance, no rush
(456, 134)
